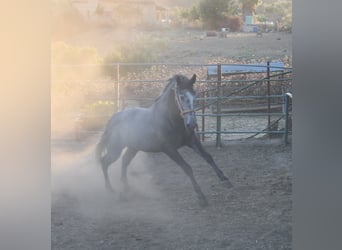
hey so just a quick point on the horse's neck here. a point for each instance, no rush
(165, 105)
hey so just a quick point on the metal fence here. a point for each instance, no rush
(233, 101)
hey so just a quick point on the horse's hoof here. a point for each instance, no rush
(227, 183)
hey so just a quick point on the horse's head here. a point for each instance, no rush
(185, 98)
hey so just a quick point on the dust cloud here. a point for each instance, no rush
(77, 182)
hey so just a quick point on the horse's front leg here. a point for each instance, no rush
(198, 148)
(174, 155)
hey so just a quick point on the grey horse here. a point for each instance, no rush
(168, 124)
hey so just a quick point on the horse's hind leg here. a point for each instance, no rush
(110, 157)
(174, 155)
(126, 159)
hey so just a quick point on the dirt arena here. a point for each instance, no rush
(161, 211)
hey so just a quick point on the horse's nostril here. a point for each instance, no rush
(189, 125)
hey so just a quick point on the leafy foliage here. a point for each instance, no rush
(213, 11)
(248, 7)
(234, 23)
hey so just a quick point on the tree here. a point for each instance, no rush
(213, 11)
(191, 14)
(248, 7)
(194, 13)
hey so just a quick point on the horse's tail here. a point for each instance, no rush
(101, 145)
(100, 148)
(105, 137)
(103, 142)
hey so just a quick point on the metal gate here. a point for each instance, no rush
(242, 95)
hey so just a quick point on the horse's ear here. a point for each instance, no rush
(193, 79)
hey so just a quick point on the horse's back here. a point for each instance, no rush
(134, 128)
(135, 116)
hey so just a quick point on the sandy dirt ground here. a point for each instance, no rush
(160, 211)
(192, 46)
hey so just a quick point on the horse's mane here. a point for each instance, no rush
(169, 85)
(172, 82)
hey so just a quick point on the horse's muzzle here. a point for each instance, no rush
(191, 126)
(190, 121)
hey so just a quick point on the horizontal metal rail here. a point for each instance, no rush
(157, 64)
(239, 114)
(242, 132)
(238, 97)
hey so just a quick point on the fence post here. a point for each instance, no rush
(268, 99)
(218, 107)
(286, 135)
(203, 118)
